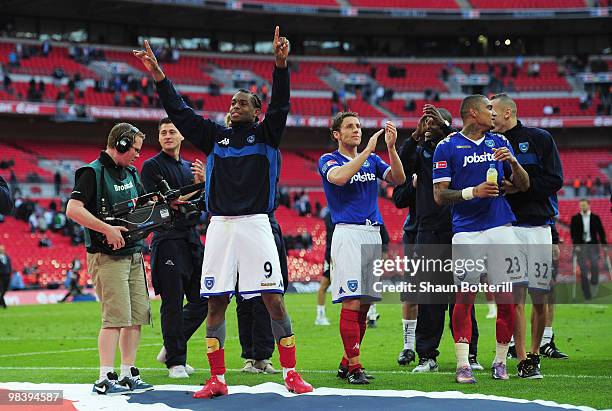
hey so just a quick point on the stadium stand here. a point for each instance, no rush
(583, 163)
(39, 65)
(52, 262)
(547, 79)
(406, 4)
(528, 4)
(418, 76)
(298, 2)
(533, 107)
(189, 69)
(25, 164)
(299, 170)
(395, 76)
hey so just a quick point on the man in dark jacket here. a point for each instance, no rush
(587, 234)
(5, 274)
(431, 225)
(176, 254)
(534, 209)
(6, 203)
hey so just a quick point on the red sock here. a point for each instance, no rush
(363, 325)
(344, 362)
(216, 360)
(355, 367)
(462, 323)
(286, 356)
(349, 331)
(504, 326)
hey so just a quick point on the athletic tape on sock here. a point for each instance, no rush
(217, 333)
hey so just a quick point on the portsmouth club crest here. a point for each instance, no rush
(209, 282)
(366, 163)
(490, 143)
(352, 285)
(524, 147)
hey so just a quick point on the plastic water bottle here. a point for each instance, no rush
(492, 174)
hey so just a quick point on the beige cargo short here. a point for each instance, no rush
(121, 288)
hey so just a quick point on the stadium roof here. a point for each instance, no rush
(198, 15)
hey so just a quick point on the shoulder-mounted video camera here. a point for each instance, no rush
(152, 211)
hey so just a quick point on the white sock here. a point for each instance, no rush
(320, 311)
(409, 333)
(462, 352)
(221, 378)
(372, 313)
(125, 371)
(511, 342)
(501, 353)
(286, 371)
(547, 336)
(104, 371)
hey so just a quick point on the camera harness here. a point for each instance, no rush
(104, 205)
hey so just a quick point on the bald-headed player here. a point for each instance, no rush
(534, 210)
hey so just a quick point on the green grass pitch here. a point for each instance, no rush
(57, 343)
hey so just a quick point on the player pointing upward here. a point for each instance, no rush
(241, 176)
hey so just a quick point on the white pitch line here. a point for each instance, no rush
(607, 377)
(25, 354)
(64, 338)
(95, 338)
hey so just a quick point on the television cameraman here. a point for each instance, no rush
(117, 268)
(177, 254)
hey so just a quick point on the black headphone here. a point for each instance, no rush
(125, 141)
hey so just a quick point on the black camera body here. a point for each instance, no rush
(150, 212)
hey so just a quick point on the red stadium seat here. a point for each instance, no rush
(528, 4)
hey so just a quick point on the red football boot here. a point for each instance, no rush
(296, 384)
(213, 388)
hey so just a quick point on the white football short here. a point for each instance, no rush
(536, 244)
(240, 249)
(495, 251)
(353, 251)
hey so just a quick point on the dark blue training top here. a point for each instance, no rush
(242, 166)
(6, 203)
(537, 153)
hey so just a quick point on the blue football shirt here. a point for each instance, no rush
(464, 163)
(357, 201)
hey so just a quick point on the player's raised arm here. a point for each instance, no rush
(274, 123)
(199, 131)
(281, 47)
(396, 175)
(147, 57)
